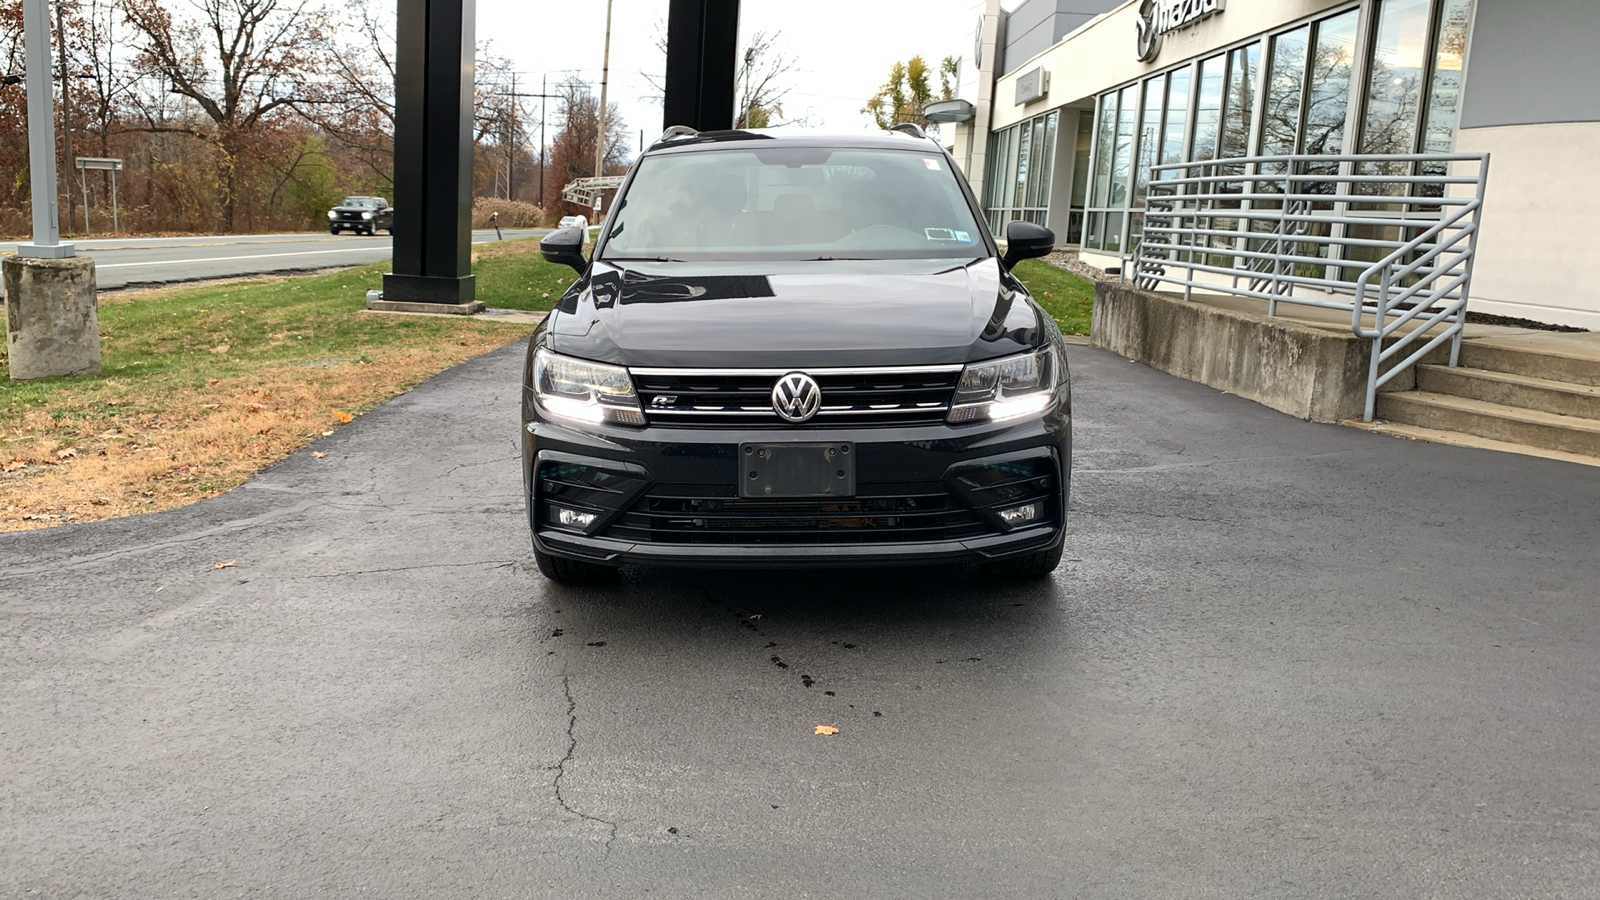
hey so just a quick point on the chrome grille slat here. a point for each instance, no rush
(890, 395)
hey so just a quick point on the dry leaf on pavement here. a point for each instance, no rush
(317, 454)
(825, 729)
(226, 565)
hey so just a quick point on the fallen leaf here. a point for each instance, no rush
(160, 589)
(99, 501)
(825, 729)
(213, 382)
(220, 349)
(226, 565)
(342, 416)
(317, 454)
(68, 453)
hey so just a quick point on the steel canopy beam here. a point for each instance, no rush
(702, 56)
(433, 153)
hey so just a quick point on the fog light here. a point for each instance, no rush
(1021, 515)
(571, 518)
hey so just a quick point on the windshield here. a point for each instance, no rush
(793, 203)
(361, 202)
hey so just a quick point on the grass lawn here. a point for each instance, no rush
(203, 386)
(1066, 297)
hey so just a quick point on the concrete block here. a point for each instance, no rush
(52, 321)
(1311, 372)
(471, 308)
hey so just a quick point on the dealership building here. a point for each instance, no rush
(1065, 106)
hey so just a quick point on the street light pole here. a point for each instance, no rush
(41, 137)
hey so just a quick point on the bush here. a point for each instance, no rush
(513, 213)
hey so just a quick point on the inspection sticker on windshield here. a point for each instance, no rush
(948, 234)
(932, 164)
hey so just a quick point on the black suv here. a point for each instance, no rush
(796, 351)
(363, 215)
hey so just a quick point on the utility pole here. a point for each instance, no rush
(515, 136)
(605, 69)
(543, 96)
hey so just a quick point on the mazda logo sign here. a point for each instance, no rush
(796, 397)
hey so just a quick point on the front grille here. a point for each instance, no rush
(909, 395)
(692, 515)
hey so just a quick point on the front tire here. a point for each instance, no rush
(1029, 566)
(572, 571)
(333, 231)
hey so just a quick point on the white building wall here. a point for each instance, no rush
(1537, 244)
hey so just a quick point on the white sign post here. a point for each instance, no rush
(41, 136)
(85, 163)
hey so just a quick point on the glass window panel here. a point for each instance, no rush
(991, 169)
(1394, 83)
(1239, 102)
(1177, 123)
(1102, 156)
(1208, 109)
(1439, 129)
(1445, 92)
(1113, 236)
(1019, 170)
(1095, 239)
(1332, 70)
(1149, 136)
(1080, 158)
(1044, 161)
(1280, 122)
(1122, 155)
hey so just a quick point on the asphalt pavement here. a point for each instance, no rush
(1280, 660)
(120, 262)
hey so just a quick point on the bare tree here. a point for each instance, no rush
(766, 76)
(239, 62)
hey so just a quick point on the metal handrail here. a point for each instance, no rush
(1291, 244)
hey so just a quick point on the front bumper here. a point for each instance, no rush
(669, 495)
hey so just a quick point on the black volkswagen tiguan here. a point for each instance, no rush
(795, 350)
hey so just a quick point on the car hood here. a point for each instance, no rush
(794, 314)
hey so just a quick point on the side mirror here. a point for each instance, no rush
(564, 247)
(1025, 240)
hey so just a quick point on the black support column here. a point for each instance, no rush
(702, 56)
(433, 158)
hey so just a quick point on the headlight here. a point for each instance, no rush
(366, 215)
(1007, 388)
(333, 214)
(583, 391)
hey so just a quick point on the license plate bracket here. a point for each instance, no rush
(769, 471)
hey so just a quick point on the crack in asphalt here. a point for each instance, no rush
(561, 766)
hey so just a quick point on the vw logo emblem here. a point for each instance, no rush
(796, 397)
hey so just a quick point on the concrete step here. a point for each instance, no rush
(1495, 421)
(1575, 366)
(1520, 391)
(1457, 439)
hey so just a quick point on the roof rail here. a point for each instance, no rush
(676, 131)
(910, 128)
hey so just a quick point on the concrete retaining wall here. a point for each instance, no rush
(1309, 372)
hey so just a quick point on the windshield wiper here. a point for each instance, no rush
(639, 259)
(837, 259)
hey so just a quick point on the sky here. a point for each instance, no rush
(843, 48)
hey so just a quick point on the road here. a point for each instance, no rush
(120, 262)
(1281, 660)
